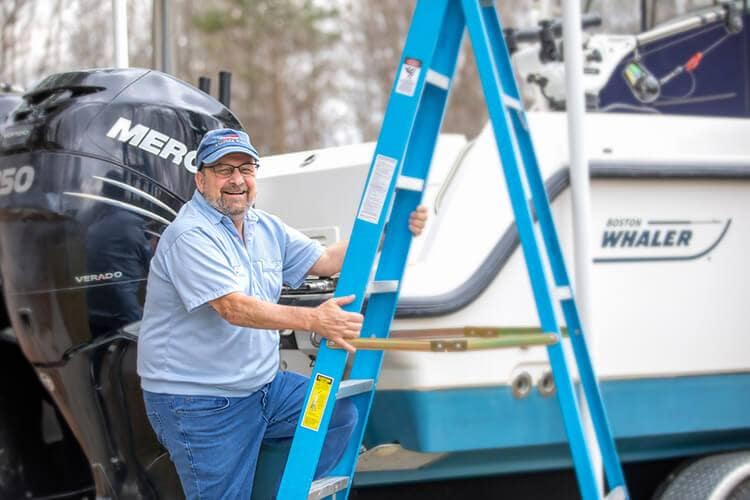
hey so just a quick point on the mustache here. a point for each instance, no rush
(237, 188)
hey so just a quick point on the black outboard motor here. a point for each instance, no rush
(93, 166)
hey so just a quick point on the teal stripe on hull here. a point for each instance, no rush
(488, 431)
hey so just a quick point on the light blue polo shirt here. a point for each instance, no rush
(185, 346)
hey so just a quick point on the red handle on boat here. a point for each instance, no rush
(694, 61)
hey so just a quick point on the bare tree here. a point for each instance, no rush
(373, 41)
(53, 40)
(279, 51)
(140, 43)
(376, 32)
(15, 20)
(306, 75)
(90, 40)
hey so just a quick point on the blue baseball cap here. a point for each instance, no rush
(221, 142)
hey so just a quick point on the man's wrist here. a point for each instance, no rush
(309, 318)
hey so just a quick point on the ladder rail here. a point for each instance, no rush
(602, 428)
(592, 392)
(417, 160)
(510, 155)
(392, 143)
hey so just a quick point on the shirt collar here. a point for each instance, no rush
(214, 215)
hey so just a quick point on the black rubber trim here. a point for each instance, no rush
(468, 291)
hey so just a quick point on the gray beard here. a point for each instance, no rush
(229, 212)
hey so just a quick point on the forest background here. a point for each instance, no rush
(306, 73)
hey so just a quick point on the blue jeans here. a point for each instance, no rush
(214, 441)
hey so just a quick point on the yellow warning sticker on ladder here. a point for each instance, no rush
(316, 404)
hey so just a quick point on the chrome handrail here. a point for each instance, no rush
(452, 173)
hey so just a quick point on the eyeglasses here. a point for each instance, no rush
(225, 170)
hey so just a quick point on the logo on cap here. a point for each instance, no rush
(229, 138)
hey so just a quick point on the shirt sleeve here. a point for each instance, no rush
(300, 253)
(200, 271)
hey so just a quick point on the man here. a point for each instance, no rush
(208, 349)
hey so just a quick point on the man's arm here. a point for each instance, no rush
(332, 259)
(328, 319)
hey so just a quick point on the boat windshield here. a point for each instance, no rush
(638, 16)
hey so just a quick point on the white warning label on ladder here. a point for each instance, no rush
(377, 189)
(408, 76)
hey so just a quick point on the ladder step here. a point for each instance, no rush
(386, 286)
(327, 486)
(562, 293)
(617, 494)
(410, 183)
(512, 102)
(438, 79)
(352, 387)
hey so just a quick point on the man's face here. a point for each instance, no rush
(231, 195)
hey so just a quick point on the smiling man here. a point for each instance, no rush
(208, 350)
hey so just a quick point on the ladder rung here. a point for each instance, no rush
(386, 286)
(617, 494)
(327, 486)
(563, 293)
(437, 79)
(410, 183)
(512, 102)
(352, 387)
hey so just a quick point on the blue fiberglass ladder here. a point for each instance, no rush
(393, 189)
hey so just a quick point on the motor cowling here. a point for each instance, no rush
(93, 166)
